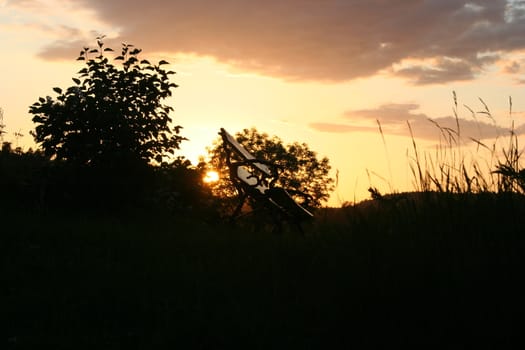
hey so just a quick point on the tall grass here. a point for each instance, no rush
(454, 166)
(383, 278)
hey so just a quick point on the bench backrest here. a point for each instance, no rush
(243, 152)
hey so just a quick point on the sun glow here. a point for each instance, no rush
(211, 177)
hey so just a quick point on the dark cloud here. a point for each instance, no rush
(445, 70)
(395, 119)
(331, 40)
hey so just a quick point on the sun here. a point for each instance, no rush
(211, 176)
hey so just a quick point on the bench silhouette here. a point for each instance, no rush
(256, 179)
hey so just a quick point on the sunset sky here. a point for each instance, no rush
(316, 71)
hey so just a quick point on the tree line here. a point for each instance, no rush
(109, 142)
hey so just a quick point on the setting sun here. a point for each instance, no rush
(211, 177)
(333, 102)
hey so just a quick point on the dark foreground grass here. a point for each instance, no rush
(403, 270)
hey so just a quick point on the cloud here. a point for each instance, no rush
(433, 129)
(395, 119)
(333, 40)
(445, 70)
(390, 113)
(62, 48)
(512, 68)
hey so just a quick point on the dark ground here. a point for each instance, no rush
(431, 273)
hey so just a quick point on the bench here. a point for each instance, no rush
(256, 180)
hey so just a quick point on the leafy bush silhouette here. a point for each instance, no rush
(21, 175)
(179, 189)
(106, 130)
(111, 114)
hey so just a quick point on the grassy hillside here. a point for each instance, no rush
(423, 269)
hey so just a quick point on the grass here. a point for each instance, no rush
(441, 266)
(454, 167)
(362, 276)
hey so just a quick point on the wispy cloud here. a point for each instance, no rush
(321, 40)
(394, 120)
(62, 48)
(390, 113)
(512, 67)
(63, 27)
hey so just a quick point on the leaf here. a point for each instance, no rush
(108, 49)
(93, 51)
(57, 90)
(77, 81)
(80, 58)
(119, 58)
(163, 62)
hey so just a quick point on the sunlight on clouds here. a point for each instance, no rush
(322, 41)
(514, 10)
(513, 65)
(473, 7)
(42, 23)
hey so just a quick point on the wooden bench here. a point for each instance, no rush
(256, 179)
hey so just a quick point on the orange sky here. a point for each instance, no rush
(320, 72)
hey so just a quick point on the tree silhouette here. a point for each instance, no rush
(301, 170)
(106, 130)
(111, 115)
